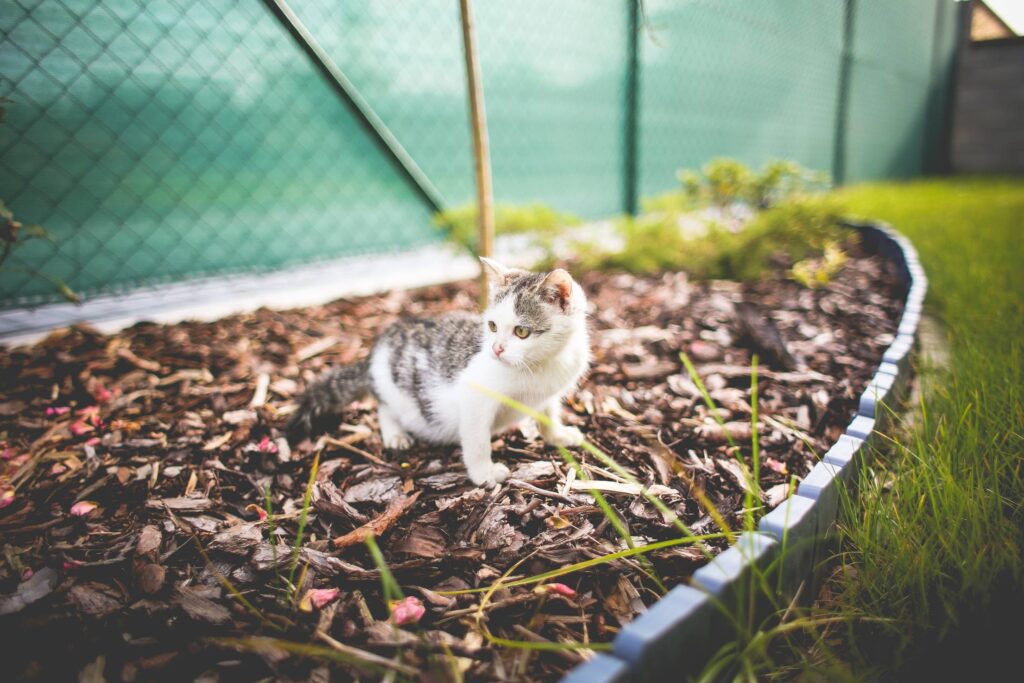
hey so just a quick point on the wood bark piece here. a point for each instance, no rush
(378, 525)
(764, 336)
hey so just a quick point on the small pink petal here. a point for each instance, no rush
(20, 460)
(27, 574)
(260, 512)
(101, 393)
(6, 497)
(267, 446)
(776, 465)
(71, 565)
(80, 427)
(319, 598)
(407, 611)
(7, 454)
(82, 508)
(57, 468)
(57, 410)
(93, 441)
(559, 588)
(89, 411)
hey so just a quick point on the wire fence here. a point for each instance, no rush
(165, 141)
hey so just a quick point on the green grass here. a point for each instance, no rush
(937, 534)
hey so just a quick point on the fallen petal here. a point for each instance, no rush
(101, 393)
(80, 427)
(6, 497)
(260, 512)
(319, 598)
(82, 508)
(407, 610)
(57, 410)
(559, 588)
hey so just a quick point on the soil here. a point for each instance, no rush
(135, 469)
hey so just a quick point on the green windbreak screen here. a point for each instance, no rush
(161, 141)
(750, 80)
(553, 75)
(893, 49)
(158, 141)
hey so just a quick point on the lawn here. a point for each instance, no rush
(933, 550)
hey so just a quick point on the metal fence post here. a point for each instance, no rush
(629, 188)
(843, 95)
(942, 161)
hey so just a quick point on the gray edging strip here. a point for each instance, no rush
(680, 633)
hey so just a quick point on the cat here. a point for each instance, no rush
(531, 344)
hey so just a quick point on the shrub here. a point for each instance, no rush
(779, 237)
(538, 220)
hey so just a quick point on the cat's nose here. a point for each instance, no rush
(498, 349)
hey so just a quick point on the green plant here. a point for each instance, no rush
(672, 202)
(782, 236)
(13, 234)
(537, 220)
(724, 182)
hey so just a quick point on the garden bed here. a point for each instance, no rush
(158, 427)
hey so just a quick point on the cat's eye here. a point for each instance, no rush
(490, 324)
(521, 332)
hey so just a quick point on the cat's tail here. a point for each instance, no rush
(326, 396)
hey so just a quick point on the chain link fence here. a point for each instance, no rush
(164, 141)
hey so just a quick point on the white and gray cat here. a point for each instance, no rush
(531, 344)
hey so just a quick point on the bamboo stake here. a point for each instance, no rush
(481, 147)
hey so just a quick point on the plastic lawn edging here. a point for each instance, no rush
(681, 632)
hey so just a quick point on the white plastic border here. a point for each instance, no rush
(683, 630)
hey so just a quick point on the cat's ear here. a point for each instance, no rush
(496, 273)
(558, 288)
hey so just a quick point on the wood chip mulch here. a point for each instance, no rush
(135, 467)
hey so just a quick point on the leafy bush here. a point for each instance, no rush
(538, 220)
(724, 182)
(673, 202)
(778, 237)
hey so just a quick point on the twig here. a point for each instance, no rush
(366, 656)
(343, 443)
(259, 396)
(569, 655)
(542, 492)
(316, 348)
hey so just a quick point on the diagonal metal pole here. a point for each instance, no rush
(347, 91)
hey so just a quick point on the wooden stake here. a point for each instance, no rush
(481, 147)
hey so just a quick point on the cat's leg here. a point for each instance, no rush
(476, 419)
(391, 432)
(558, 434)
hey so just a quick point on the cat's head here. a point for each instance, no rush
(530, 316)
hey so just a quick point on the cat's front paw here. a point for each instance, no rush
(564, 436)
(398, 441)
(488, 475)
